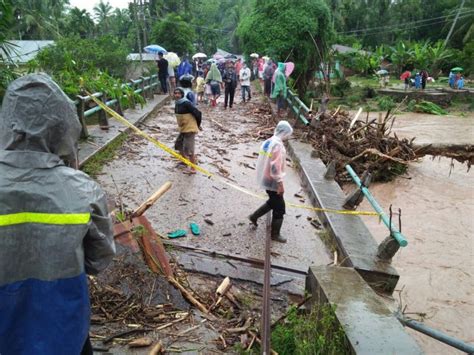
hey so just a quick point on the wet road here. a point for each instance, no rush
(141, 168)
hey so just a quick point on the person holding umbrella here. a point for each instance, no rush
(162, 64)
(406, 78)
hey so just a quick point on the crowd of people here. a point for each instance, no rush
(47, 204)
(206, 80)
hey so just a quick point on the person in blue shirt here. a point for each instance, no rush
(184, 68)
(417, 80)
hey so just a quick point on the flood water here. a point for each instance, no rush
(436, 268)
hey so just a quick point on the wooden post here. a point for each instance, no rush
(132, 101)
(82, 119)
(142, 86)
(103, 122)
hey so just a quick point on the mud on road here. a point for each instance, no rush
(227, 146)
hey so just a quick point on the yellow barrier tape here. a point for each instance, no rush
(178, 156)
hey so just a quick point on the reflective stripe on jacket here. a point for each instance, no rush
(54, 228)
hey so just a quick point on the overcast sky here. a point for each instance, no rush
(89, 4)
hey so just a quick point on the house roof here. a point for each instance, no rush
(146, 57)
(345, 49)
(23, 51)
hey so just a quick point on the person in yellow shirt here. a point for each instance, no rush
(189, 124)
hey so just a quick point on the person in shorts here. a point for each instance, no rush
(189, 124)
(214, 79)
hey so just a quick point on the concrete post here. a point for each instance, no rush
(355, 198)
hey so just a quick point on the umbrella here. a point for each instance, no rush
(172, 59)
(254, 55)
(382, 72)
(199, 55)
(265, 57)
(289, 67)
(230, 56)
(154, 48)
(457, 69)
(211, 60)
(405, 75)
(217, 56)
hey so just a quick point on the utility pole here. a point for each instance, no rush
(144, 27)
(138, 33)
(454, 23)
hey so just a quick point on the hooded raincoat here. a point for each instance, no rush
(272, 157)
(214, 74)
(280, 82)
(54, 223)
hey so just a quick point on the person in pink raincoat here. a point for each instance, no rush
(270, 174)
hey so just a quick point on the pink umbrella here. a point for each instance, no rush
(289, 67)
(217, 56)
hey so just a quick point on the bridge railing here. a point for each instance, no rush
(298, 107)
(145, 86)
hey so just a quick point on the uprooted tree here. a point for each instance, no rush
(287, 30)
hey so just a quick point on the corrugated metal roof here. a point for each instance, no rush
(24, 51)
(147, 57)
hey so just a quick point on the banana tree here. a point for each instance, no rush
(402, 56)
(436, 55)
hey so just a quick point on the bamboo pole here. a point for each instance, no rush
(152, 199)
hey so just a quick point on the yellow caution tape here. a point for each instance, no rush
(178, 156)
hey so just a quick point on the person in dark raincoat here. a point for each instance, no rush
(54, 224)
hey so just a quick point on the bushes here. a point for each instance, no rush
(314, 333)
(385, 103)
(98, 65)
(105, 54)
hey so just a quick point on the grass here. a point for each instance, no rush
(318, 332)
(315, 333)
(95, 165)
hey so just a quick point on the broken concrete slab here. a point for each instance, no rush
(370, 327)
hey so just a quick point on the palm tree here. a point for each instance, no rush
(80, 22)
(102, 13)
(38, 19)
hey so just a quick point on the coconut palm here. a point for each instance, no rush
(102, 12)
(80, 22)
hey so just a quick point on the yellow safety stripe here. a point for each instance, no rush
(178, 156)
(44, 218)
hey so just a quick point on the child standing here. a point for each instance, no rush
(200, 87)
(189, 124)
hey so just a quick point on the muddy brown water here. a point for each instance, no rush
(436, 267)
(437, 201)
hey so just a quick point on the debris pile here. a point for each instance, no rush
(367, 145)
(124, 296)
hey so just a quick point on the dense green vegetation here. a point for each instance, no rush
(406, 33)
(287, 30)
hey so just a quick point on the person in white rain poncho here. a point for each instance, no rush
(270, 175)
